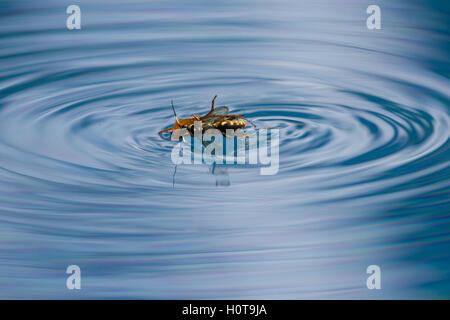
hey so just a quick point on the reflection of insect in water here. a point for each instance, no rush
(217, 118)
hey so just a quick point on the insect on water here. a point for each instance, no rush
(217, 118)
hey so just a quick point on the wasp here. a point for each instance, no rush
(217, 118)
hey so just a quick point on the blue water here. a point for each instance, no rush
(364, 121)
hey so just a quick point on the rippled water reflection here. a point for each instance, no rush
(364, 135)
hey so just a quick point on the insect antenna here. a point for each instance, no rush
(175, 114)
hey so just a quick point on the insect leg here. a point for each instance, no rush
(249, 121)
(212, 103)
(245, 135)
(165, 130)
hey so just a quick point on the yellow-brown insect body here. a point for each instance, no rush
(234, 124)
(222, 125)
(215, 119)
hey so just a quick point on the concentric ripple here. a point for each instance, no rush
(364, 150)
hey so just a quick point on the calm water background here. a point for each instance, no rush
(364, 158)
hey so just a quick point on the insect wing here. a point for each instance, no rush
(216, 115)
(220, 111)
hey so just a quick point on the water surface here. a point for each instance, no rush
(85, 178)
